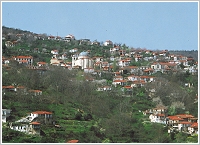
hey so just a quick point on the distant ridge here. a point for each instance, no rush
(188, 53)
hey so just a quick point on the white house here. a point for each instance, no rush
(31, 123)
(28, 60)
(69, 38)
(157, 118)
(55, 52)
(133, 78)
(193, 129)
(73, 50)
(5, 60)
(104, 88)
(108, 42)
(51, 37)
(26, 127)
(124, 62)
(163, 66)
(114, 49)
(119, 82)
(118, 77)
(55, 61)
(35, 92)
(22, 127)
(41, 64)
(41, 116)
(5, 114)
(184, 125)
(9, 88)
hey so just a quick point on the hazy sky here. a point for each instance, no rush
(151, 25)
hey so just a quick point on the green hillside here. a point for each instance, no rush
(80, 111)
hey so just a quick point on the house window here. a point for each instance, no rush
(4, 113)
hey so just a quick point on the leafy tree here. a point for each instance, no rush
(192, 139)
(180, 137)
(115, 67)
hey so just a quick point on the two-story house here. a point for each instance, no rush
(26, 60)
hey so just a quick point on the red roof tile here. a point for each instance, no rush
(160, 115)
(185, 122)
(8, 87)
(35, 123)
(174, 118)
(194, 125)
(146, 70)
(20, 87)
(30, 57)
(41, 112)
(72, 141)
(36, 91)
(185, 116)
(127, 87)
(41, 62)
(132, 67)
(168, 64)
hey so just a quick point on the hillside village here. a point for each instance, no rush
(116, 67)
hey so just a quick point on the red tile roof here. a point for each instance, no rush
(72, 141)
(174, 118)
(41, 62)
(160, 115)
(131, 67)
(51, 36)
(30, 57)
(168, 64)
(41, 112)
(185, 116)
(127, 87)
(146, 70)
(8, 87)
(20, 87)
(35, 123)
(36, 91)
(185, 122)
(194, 125)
